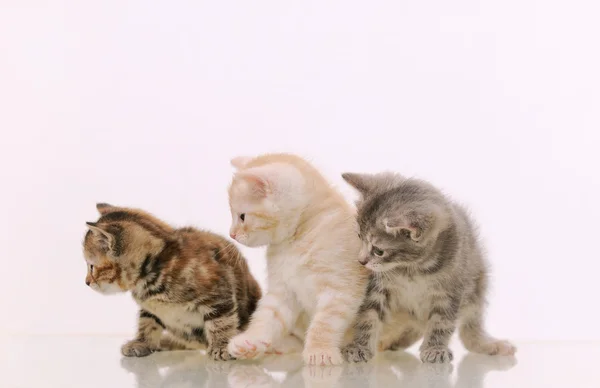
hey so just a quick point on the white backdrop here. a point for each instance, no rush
(143, 103)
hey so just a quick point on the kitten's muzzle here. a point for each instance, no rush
(364, 260)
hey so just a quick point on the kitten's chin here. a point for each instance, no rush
(109, 289)
(379, 267)
(252, 244)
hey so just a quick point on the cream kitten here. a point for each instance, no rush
(281, 201)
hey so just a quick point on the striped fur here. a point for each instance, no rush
(429, 273)
(315, 284)
(193, 287)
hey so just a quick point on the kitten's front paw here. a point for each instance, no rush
(498, 348)
(219, 354)
(357, 353)
(247, 346)
(322, 356)
(436, 354)
(136, 349)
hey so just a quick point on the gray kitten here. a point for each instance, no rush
(429, 274)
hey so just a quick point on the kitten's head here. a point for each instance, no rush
(115, 246)
(266, 197)
(399, 219)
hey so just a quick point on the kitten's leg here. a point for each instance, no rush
(335, 312)
(293, 342)
(367, 325)
(439, 329)
(286, 345)
(169, 342)
(220, 325)
(276, 313)
(475, 338)
(364, 344)
(148, 336)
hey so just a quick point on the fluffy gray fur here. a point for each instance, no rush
(429, 275)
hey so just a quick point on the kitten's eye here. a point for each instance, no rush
(91, 268)
(243, 216)
(377, 252)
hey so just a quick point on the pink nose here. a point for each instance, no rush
(232, 235)
(364, 260)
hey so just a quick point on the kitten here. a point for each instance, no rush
(428, 271)
(281, 201)
(193, 285)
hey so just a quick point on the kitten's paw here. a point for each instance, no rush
(498, 348)
(136, 349)
(219, 354)
(246, 346)
(436, 354)
(357, 353)
(322, 356)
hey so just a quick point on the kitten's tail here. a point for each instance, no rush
(477, 340)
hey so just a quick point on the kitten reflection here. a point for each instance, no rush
(191, 369)
(474, 367)
(406, 370)
(316, 376)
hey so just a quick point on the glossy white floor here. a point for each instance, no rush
(71, 361)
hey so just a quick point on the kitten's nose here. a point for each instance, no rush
(364, 260)
(232, 235)
(87, 282)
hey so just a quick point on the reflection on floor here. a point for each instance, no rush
(95, 362)
(391, 369)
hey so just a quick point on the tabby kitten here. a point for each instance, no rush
(193, 287)
(314, 280)
(428, 275)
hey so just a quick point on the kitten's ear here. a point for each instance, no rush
(364, 183)
(260, 187)
(104, 237)
(369, 183)
(401, 224)
(240, 161)
(104, 208)
(417, 224)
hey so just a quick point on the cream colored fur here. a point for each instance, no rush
(313, 272)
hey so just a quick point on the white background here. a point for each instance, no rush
(143, 103)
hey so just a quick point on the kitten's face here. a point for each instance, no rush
(103, 271)
(382, 251)
(114, 248)
(266, 203)
(254, 220)
(395, 219)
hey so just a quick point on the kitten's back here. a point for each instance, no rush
(196, 243)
